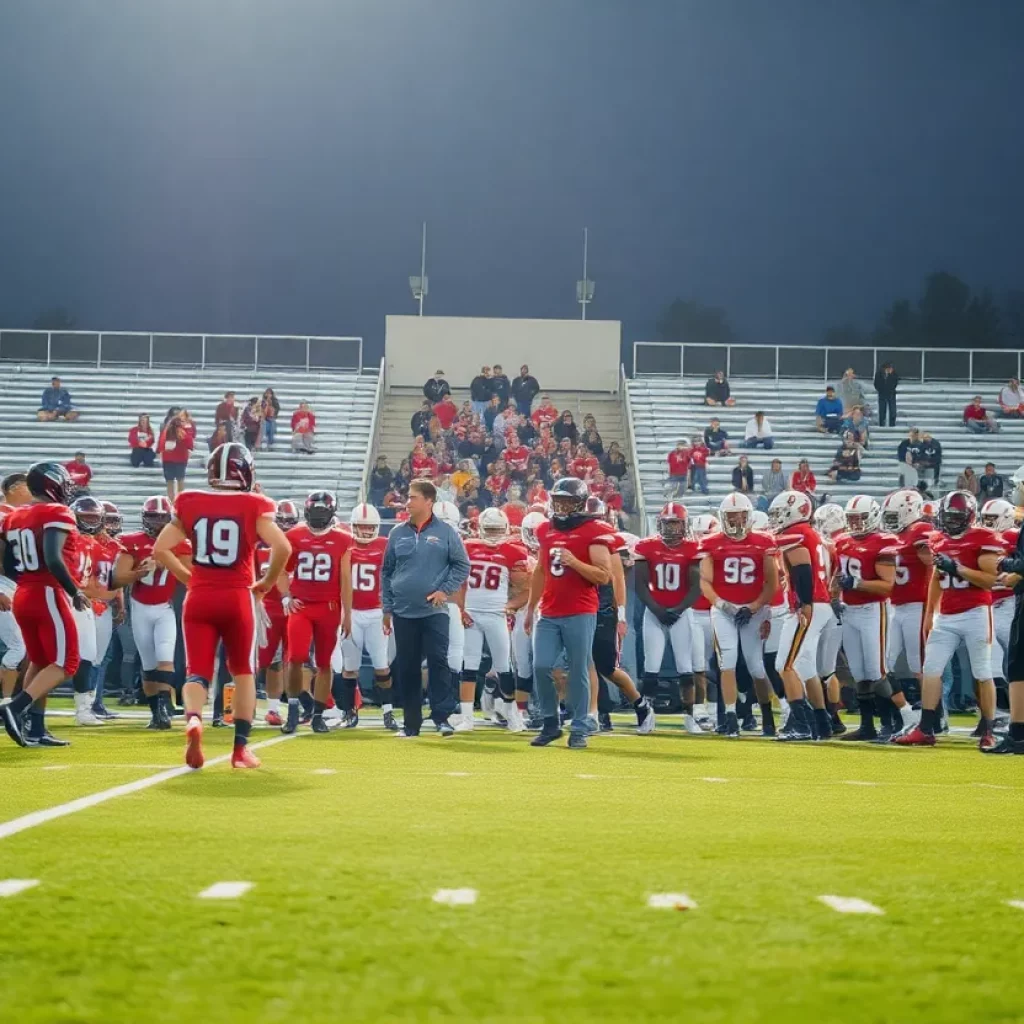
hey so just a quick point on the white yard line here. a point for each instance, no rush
(671, 901)
(12, 886)
(850, 905)
(83, 803)
(455, 897)
(225, 891)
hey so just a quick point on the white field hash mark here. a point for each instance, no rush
(1016, 904)
(12, 886)
(671, 901)
(325, 771)
(225, 891)
(850, 905)
(455, 897)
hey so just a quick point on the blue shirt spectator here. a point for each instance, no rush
(829, 412)
(56, 403)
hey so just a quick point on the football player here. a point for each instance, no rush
(959, 610)
(703, 525)
(739, 577)
(998, 515)
(109, 609)
(10, 633)
(522, 646)
(223, 526)
(668, 585)
(829, 522)
(317, 601)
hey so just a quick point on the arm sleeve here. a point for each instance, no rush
(53, 545)
(803, 583)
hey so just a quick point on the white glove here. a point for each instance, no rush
(726, 608)
(262, 624)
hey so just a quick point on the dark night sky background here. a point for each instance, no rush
(264, 166)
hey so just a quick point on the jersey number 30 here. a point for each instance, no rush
(23, 547)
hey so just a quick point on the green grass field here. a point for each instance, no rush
(563, 847)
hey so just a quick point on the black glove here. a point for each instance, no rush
(743, 615)
(837, 609)
(847, 582)
(670, 618)
(947, 565)
(80, 601)
(1011, 564)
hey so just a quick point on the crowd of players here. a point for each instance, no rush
(301, 597)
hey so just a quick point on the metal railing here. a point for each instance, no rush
(675, 359)
(141, 348)
(375, 423)
(634, 461)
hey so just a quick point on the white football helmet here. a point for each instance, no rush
(901, 509)
(829, 520)
(759, 520)
(365, 523)
(863, 515)
(736, 515)
(1017, 497)
(531, 521)
(493, 526)
(789, 508)
(997, 514)
(705, 525)
(448, 512)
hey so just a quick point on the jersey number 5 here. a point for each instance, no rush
(216, 542)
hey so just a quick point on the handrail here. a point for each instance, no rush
(375, 423)
(634, 463)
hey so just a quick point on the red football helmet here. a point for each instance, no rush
(88, 513)
(156, 514)
(957, 512)
(112, 520)
(230, 467)
(673, 523)
(287, 514)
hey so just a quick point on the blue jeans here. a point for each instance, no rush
(479, 407)
(678, 485)
(699, 478)
(269, 431)
(573, 634)
(767, 443)
(523, 407)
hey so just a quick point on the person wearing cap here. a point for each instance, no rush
(829, 412)
(56, 403)
(436, 388)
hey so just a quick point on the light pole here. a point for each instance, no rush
(419, 286)
(584, 287)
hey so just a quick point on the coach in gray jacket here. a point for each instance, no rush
(424, 566)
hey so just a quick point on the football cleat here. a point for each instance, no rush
(915, 737)
(1005, 746)
(159, 724)
(692, 726)
(463, 723)
(349, 719)
(768, 728)
(292, 722)
(749, 724)
(218, 722)
(319, 725)
(645, 720)
(545, 737)
(732, 725)
(273, 718)
(860, 734)
(194, 743)
(46, 740)
(605, 721)
(243, 757)
(838, 726)
(444, 727)
(514, 717)
(389, 721)
(794, 732)
(987, 742)
(101, 712)
(12, 723)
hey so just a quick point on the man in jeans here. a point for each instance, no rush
(425, 566)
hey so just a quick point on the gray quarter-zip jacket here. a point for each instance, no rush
(418, 562)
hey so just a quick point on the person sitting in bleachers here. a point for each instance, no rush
(758, 432)
(141, 440)
(908, 455)
(1011, 400)
(856, 424)
(990, 484)
(393, 501)
(304, 429)
(565, 428)
(591, 438)
(968, 481)
(977, 419)
(584, 465)
(381, 480)
(446, 411)
(846, 465)
(80, 473)
(773, 483)
(828, 413)
(56, 403)
(804, 480)
(716, 438)
(546, 414)
(743, 476)
(497, 483)
(717, 391)
(614, 462)
(931, 457)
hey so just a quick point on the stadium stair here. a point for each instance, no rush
(110, 401)
(664, 410)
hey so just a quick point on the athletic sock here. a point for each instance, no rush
(466, 708)
(1017, 731)
(730, 709)
(784, 708)
(189, 715)
(20, 704)
(306, 700)
(81, 678)
(154, 705)
(348, 695)
(866, 706)
(767, 716)
(338, 689)
(800, 713)
(36, 724)
(822, 721)
(241, 733)
(929, 721)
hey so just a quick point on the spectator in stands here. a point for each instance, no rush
(473, 445)
(56, 403)
(856, 424)
(445, 488)
(758, 432)
(931, 456)
(1011, 400)
(525, 430)
(446, 411)
(404, 475)
(141, 440)
(546, 414)
(908, 455)
(556, 469)
(464, 472)
(497, 483)
(500, 385)
(546, 444)
(886, 383)
(846, 466)
(716, 391)
(803, 480)
(968, 481)
(491, 412)
(699, 454)
(536, 492)
(614, 462)
(221, 435)
(978, 420)
(394, 500)
(80, 472)
(828, 413)
(419, 423)
(436, 388)
(473, 499)
(584, 464)
(480, 390)
(516, 455)
(503, 424)
(716, 438)
(743, 476)
(851, 393)
(524, 390)
(270, 407)
(252, 423)
(592, 439)
(382, 479)
(304, 429)
(679, 468)
(991, 484)
(174, 446)
(226, 411)
(773, 483)
(565, 428)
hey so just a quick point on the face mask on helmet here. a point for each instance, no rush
(88, 515)
(287, 515)
(319, 511)
(736, 523)
(672, 530)
(857, 522)
(112, 521)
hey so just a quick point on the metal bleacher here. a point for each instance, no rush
(110, 400)
(666, 409)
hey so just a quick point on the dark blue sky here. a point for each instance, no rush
(264, 166)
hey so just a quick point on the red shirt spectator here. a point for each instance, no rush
(546, 443)
(537, 494)
(516, 456)
(79, 470)
(175, 442)
(545, 414)
(496, 485)
(394, 499)
(423, 464)
(141, 435)
(584, 466)
(699, 456)
(402, 515)
(612, 496)
(446, 411)
(679, 461)
(803, 480)
(975, 411)
(303, 420)
(227, 410)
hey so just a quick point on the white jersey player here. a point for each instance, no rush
(999, 516)
(448, 512)
(702, 526)
(522, 645)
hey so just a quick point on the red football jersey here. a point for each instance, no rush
(858, 557)
(23, 534)
(315, 563)
(912, 575)
(273, 599)
(221, 526)
(516, 457)
(104, 554)
(738, 565)
(158, 586)
(959, 595)
(670, 567)
(566, 592)
(515, 513)
(78, 555)
(1009, 537)
(803, 535)
(490, 572)
(367, 560)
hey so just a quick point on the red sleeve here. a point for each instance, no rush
(312, 422)
(133, 437)
(163, 438)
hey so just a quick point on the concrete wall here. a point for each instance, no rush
(564, 355)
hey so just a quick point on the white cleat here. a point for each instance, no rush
(646, 727)
(514, 717)
(910, 717)
(462, 724)
(487, 705)
(83, 711)
(691, 726)
(333, 714)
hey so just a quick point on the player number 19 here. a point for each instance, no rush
(216, 542)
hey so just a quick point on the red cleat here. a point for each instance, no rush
(915, 738)
(273, 718)
(987, 741)
(194, 743)
(243, 757)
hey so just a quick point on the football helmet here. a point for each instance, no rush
(789, 508)
(88, 514)
(863, 515)
(595, 508)
(673, 523)
(760, 521)
(997, 514)
(365, 523)
(829, 520)
(957, 512)
(901, 509)
(50, 481)
(156, 514)
(930, 511)
(319, 511)
(112, 519)
(448, 512)
(568, 498)
(531, 521)
(287, 514)
(493, 526)
(705, 525)
(736, 515)
(230, 467)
